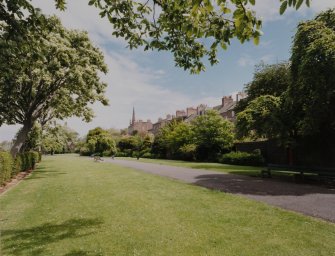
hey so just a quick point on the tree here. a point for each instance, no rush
(34, 138)
(100, 141)
(312, 93)
(268, 80)
(58, 138)
(261, 119)
(213, 135)
(47, 72)
(178, 26)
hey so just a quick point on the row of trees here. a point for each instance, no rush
(48, 71)
(207, 137)
(295, 99)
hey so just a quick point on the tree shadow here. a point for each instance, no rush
(32, 241)
(43, 172)
(82, 253)
(239, 184)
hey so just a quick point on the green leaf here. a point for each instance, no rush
(283, 7)
(299, 3)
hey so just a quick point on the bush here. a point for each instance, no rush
(28, 160)
(17, 166)
(243, 158)
(6, 166)
(146, 155)
(121, 154)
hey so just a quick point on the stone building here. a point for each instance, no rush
(161, 123)
(226, 109)
(139, 125)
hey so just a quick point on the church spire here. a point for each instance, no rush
(133, 119)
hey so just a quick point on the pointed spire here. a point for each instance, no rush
(133, 119)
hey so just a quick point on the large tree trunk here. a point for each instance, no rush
(21, 138)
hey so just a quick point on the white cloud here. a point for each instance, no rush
(268, 10)
(247, 60)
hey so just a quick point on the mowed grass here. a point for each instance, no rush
(74, 206)
(236, 169)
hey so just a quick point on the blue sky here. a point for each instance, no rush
(150, 81)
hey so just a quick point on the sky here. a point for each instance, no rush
(150, 82)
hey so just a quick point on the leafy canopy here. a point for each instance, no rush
(190, 29)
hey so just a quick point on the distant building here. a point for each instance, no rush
(226, 109)
(194, 112)
(161, 123)
(139, 125)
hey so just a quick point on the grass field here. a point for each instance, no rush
(236, 169)
(74, 206)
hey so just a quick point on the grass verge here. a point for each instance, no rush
(74, 206)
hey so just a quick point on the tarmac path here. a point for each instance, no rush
(312, 200)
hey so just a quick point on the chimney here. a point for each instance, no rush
(227, 100)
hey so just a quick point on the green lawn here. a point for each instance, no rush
(236, 169)
(74, 206)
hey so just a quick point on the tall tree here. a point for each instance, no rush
(47, 72)
(312, 94)
(271, 80)
(100, 141)
(213, 135)
(178, 26)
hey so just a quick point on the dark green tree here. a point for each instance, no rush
(312, 93)
(100, 141)
(213, 135)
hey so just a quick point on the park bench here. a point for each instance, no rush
(321, 173)
(97, 158)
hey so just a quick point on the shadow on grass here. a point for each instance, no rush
(44, 172)
(34, 240)
(82, 253)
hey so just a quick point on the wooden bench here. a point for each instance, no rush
(322, 173)
(97, 158)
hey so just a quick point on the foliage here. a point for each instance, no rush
(272, 80)
(135, 145)
(9, 167)
(34, 138)
(295, 102)
(261, 119)
(176, 26)
(312, 95)
(206, 137)
(6, 165)
(100, 141)
(213, 135)
(243, 158)
(47, 72)
(59, 139)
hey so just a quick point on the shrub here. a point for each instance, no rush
(34, 158)
(146, 155)
(243, 158)
(121, 154)
(17, 166)
(6, 166)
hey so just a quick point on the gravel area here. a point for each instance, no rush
(312, 200)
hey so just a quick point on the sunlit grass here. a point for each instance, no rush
(74, 206)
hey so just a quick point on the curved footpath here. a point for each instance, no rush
(311, 200)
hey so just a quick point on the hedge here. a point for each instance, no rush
(6, 166)
(243, 158)
(9, 167)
